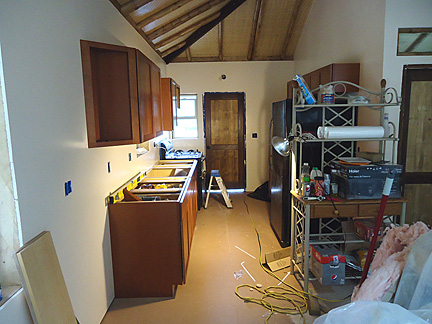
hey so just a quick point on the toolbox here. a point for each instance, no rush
(327, 264)
(365, 181)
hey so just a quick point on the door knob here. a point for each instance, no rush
(208, 147)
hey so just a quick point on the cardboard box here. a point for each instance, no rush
(278, 259)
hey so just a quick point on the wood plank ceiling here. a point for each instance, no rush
(218, 30)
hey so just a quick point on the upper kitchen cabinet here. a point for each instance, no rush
(170, 96)
(122, 95)
(110, 90)
(156, 100)
(145, 98)
(332, 72)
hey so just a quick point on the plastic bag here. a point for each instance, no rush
(370, 312)
(415, 286)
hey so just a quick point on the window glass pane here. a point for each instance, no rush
(186, 128)
(187, 106)
(186, 125)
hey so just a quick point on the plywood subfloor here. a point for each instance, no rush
(208, 296)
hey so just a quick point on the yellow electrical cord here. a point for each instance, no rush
(296, 297)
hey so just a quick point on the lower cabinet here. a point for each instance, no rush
(151, 243)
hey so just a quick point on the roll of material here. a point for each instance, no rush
(338, 132)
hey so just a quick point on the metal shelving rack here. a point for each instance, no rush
(330, 230)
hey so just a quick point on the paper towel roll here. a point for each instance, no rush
(337, 132)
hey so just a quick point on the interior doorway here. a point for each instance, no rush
(224, 118)
(415, 146)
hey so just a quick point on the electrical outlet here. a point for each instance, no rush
(68, 187)
(254, 135)
(109, 167)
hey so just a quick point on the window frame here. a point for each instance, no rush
(195, 98)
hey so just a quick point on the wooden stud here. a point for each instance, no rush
(230, 58)
(132, 22)
(255, 30)
(292, 24)
(220, 40)
(188, 55)
(185, 30)
(200, 32)
(170, 25)
(160, 12)
(173, 48)
(133, 5)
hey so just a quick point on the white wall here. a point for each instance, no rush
(399, 14)
(345, 31)
(45, 100)
(262, 82)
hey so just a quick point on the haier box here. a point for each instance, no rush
(328, 265)
(365, 181)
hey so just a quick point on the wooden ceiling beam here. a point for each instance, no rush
(290, 31)
(133, 5)
(185, 31)
(188, 55)
(220, 34)
(228, 58)
(131, 21)
(255, 29)
(170, 25)
(160, 12)
(172, 49)
(200, 32)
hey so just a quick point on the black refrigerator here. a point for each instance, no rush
(280, 167)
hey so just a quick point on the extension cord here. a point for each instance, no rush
(287, 293)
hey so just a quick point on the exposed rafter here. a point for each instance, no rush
(200, 32)
(131, 21)
(170, 25)
(133, 5)
(159, 13)
(184, 31)
(255, 29)
(188, 55)
(173, 48)
(290, 31)
(220, 40)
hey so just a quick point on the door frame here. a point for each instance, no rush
(241, 99)
(411, 72)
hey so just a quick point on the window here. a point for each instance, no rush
(186, 124)
(414, 41)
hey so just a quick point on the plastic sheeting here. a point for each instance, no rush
(413, 300)
(370, 312)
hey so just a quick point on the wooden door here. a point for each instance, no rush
(415, 146)
(157, 107)
(145, 97)
(110, 91)
(225, 129)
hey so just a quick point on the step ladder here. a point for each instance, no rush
(216, 175)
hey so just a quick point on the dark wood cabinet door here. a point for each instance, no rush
(145, 105)
(170, 102)
(332, 72)
(110, 91)
(156, 101)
